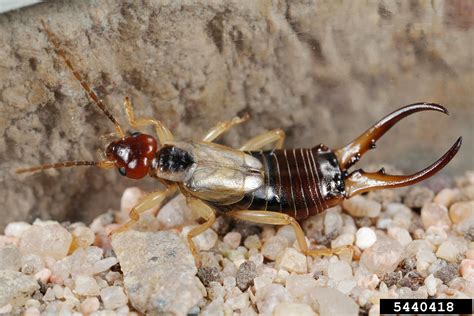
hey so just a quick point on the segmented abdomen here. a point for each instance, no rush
(298, 182)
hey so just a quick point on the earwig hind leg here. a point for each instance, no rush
(223, 127)
(206, 212)
(273, 218)
(276, 136)
(151, 200)
(163, 133)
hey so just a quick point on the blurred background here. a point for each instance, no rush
(324, 71)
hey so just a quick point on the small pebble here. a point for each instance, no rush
(343, 240)
(412, 279)
(16, 229)
(332, 221)
(274, 246)
(86, 285)
(359, 206)
(460, 211)
(208, 275)
(90, 305)
(418, 196)
(449, 250)
(270, 296)
(43, 275)
(447, 197)
(400, 234)
(292, 261)
(431, 285)
(252, 242)
(204, 241)
(82, 237)
(467, 268)
(365, 238)
(293, 309)
(104, 264)
(245, 275)
(233, 239)
(383, 256)
(46, 239)
(339, 270)
(113, 297)
(447, 273)
(333, 302)
(433, 214)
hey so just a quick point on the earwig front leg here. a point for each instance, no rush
(151, 200)
(163, 133)
(273, 218)
(223, 127)
(204, 211)
(276, 136)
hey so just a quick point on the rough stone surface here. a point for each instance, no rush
(308, 67)
(332, 302)
(46, 239)
(159, 272)
(16, 288)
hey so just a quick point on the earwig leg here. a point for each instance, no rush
(351, 153)
(273, 218)
(360, 181)
(223, 127)
(163, 133)
(151, 200)
(276, 136)
(206, 212)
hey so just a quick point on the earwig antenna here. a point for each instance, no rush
(62, 53)
(105, 164)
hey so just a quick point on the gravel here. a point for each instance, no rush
(53, 268)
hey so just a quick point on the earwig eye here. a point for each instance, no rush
(122, 171)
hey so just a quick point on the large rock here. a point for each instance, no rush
(159, 272)
(321, 70)
(15, 287)
(332, 302)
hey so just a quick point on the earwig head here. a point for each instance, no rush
(133, 155)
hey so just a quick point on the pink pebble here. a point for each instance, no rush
(467, 268)
(43, 275)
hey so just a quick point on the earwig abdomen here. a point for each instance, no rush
(298, 182)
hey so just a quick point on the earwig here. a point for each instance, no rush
(277, 186)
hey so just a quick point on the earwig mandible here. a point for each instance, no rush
(277, 186)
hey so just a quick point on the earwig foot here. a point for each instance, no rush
(326, 252)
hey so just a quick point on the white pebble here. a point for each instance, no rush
(274, 246)
(83, 237)
(43, 275)
(253, 242)
(343, 240)
(292, 261)
(365, 237)
(359, 206)
(32, 311)
(86, 285)
(430, 283)
(271, 296)
(104, 264)
(16, 229)
(46, 239)
(339, 270)
(204, 241)
(400, 234)
(433, 214)
(90, 305)
(467, 268)
(233, 239)
(113, 297)
(293, 309)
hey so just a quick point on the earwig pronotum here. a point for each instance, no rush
(277, 186)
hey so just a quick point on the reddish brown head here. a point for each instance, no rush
(133, 155)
